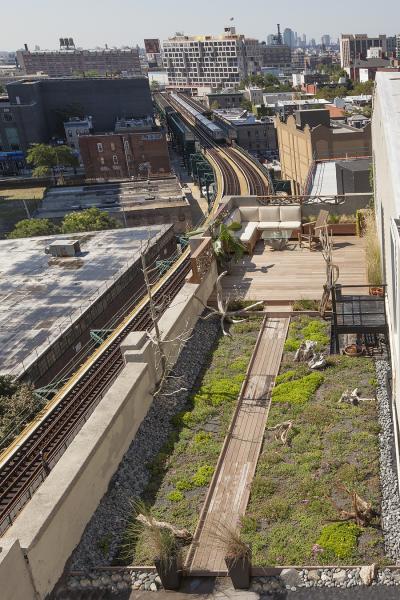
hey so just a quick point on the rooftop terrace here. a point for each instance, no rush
(294, 273)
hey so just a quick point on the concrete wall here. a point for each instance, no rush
(386, 157)
(15, 577)
(52, 524)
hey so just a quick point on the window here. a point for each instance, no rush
(115, 159)
(102, 161)
(69, 132)
(112, 147)
(99, 147)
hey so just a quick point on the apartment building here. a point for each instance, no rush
(356, 46)
(310, 135)
(276, 56)
(201, 64)
(386, 157)
(69, 61)
(255, 135)
(125, 154)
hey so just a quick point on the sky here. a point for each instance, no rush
(127, 22)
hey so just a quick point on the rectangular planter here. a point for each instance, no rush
(343, 228)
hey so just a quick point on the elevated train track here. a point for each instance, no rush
(22, 468)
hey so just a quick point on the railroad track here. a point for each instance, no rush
(255, 179)
(25, 471)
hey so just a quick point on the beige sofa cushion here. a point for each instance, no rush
(249, 213)
(290, 213)
(269, 213)
(247, 232)
(290, 225)
(269, 225)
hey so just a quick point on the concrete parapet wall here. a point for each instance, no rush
(51, 525)
(15, 577)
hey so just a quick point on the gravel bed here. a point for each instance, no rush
(390, 521)
(101, 539)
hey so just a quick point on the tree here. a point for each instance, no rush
(246, 104)
(214, 105)
(366, 87)
(327, 93)
(47, 159)
(33, 227)
(91, 219)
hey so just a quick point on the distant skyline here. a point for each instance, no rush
(125, 22)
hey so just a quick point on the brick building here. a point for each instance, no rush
(69, 60)
(127, 154)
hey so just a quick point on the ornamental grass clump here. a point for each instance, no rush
(372, 250)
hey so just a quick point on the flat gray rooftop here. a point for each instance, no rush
(40, 295)
(112, 197)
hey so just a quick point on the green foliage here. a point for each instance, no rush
(91, 219)
(235, 226)
(225, 243)
(17, 406)
(45, 159)
(203, 476)
(287, 376)
(33, 227)
(363, 88)
(329, 94)
(291, 344)
(339, 540)
(219, 391)
(175, 496)
(304, 304)
(298, 391)
(316, 332)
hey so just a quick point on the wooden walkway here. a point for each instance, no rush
(229, 491)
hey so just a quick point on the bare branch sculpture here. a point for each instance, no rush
(223, 312)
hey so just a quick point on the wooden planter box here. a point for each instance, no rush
(343, 228)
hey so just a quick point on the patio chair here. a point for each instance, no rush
(310, 232)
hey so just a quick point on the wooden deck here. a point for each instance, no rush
(229, 491)
(294, 273)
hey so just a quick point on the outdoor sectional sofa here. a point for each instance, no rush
(254, 220)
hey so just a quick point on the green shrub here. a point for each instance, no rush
(339, 540)
(316, 332)
(235, 226)
(203, 476)
(201, 439)
(287, 376)
(175, 496)
(184, 484)
(291, 344)
(298, 391)
(219, 391)
(304, 304)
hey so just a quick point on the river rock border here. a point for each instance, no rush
(114, 582)
(390, 505)
(292, 579)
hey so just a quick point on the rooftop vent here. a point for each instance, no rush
(63, 248)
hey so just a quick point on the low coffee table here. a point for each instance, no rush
(278, 240)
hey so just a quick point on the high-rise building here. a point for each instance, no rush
(203, 63)
(326, 40)
(356, 46)
(288, 37)
(72, 61)
(398, 46)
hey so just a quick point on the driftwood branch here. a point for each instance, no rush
(282, 430)
(182, 534)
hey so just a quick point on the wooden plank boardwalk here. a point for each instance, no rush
(294, 273)
(229, 491)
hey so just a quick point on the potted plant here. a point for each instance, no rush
(225, 244)
(167, 559)
(373, 255)
(160, 543)
(237, 555)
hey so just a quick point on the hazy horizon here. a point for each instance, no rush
(97, 22)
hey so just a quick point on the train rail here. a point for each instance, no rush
(256, 182)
